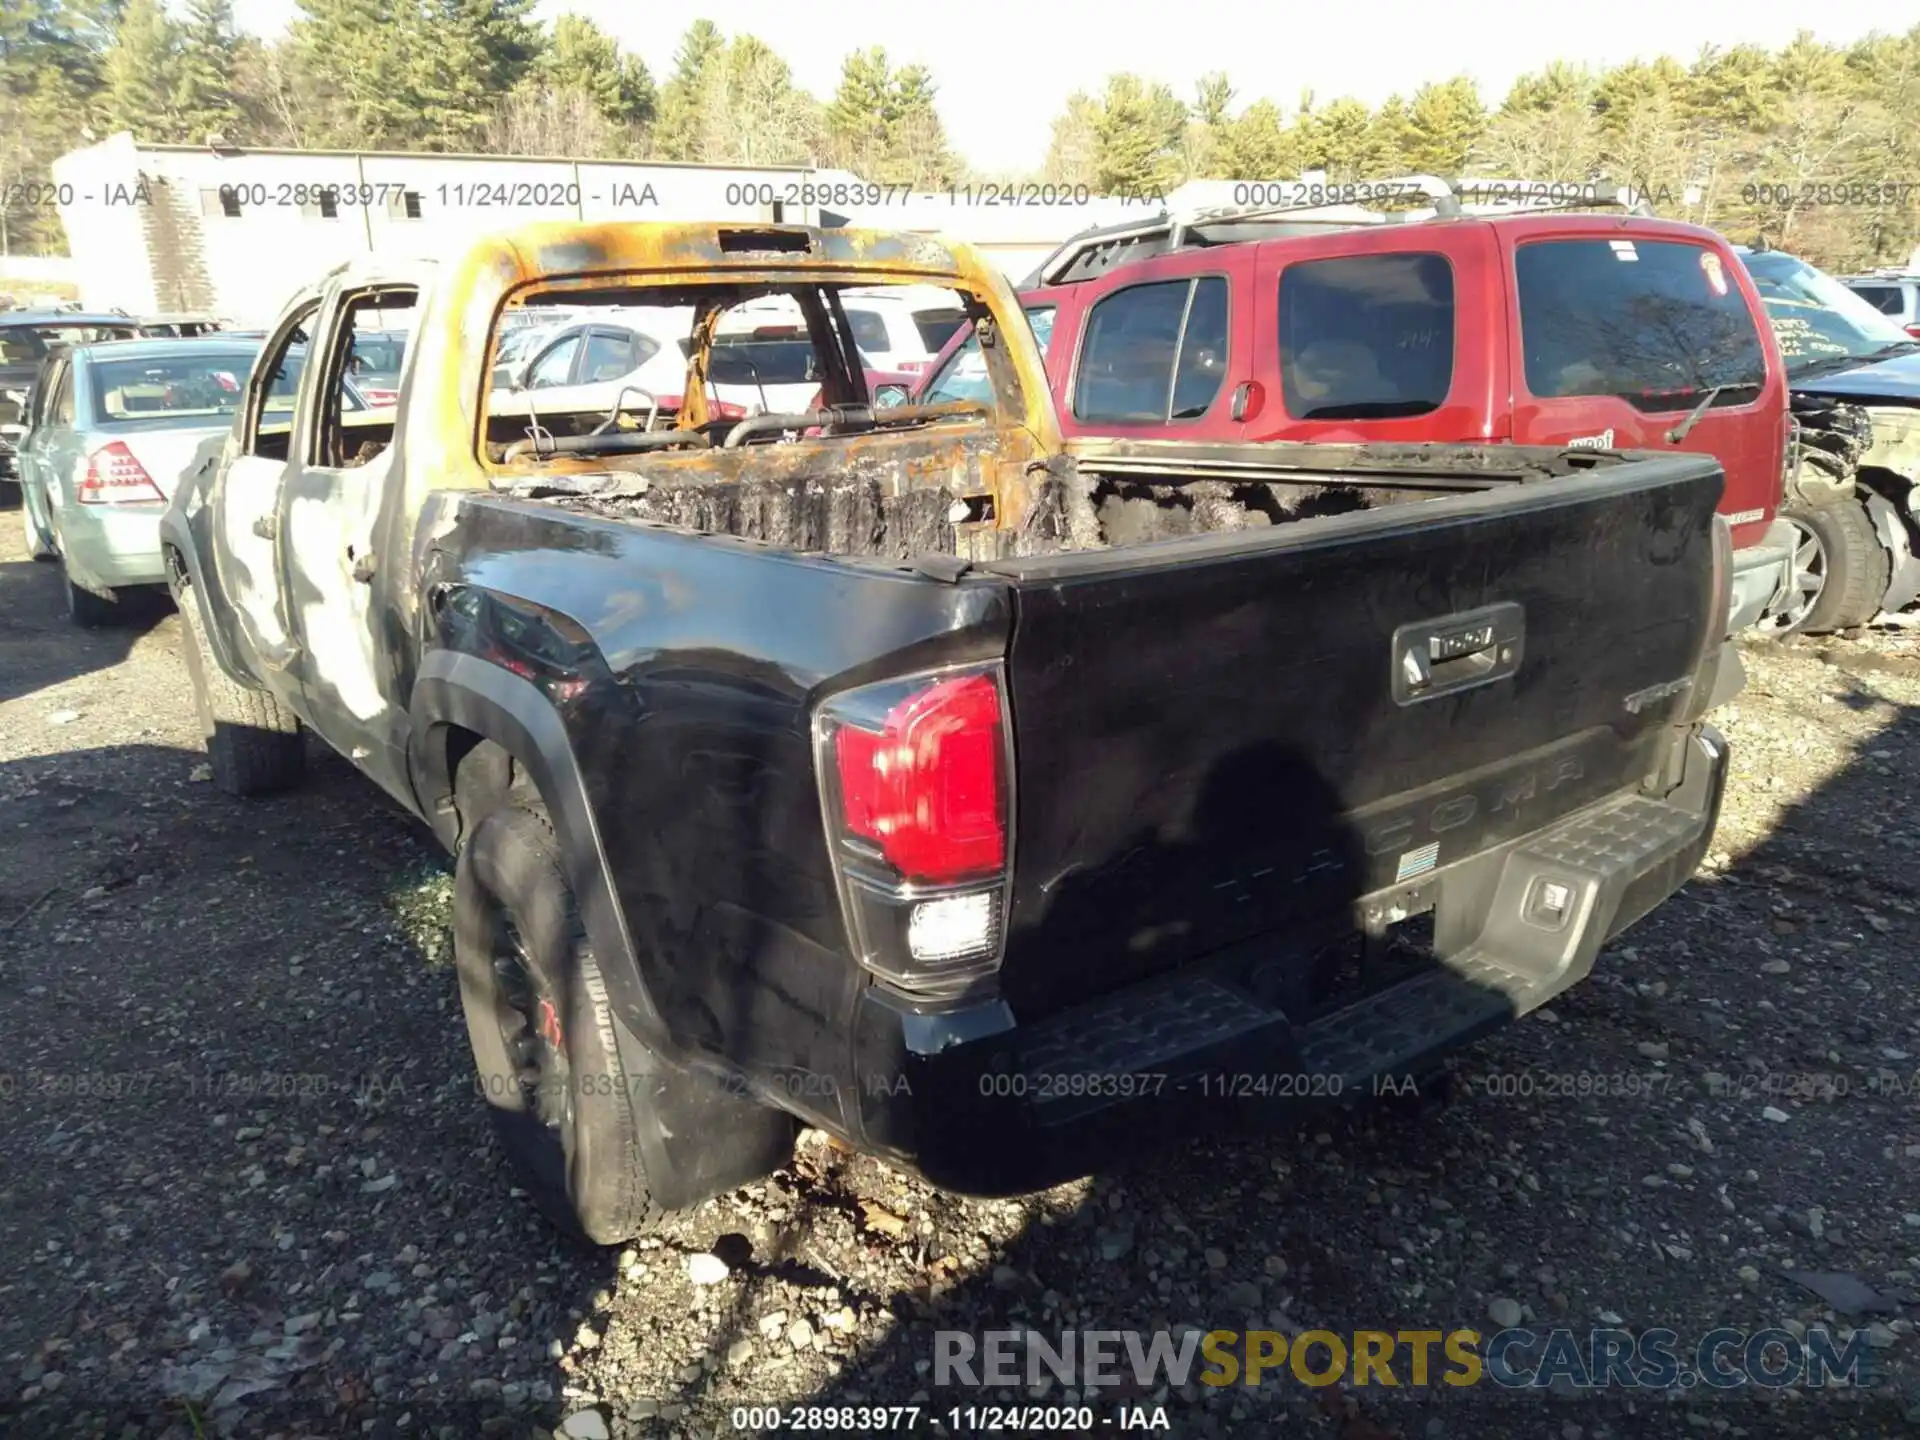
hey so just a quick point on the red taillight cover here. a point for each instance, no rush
(929, 788)
(115, 474)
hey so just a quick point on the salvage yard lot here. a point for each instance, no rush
(241, 1156)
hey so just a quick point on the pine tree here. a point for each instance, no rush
(1545, 128)
(677, 136)
(1138, 135)
(1255, 145)
(861, 116)
(1391, 141)
(355, 68)
(1339, 139)
(475, 51)
(142, 74)
(581, 56)
(918, 153)
(205, 99)
(882, 123)
(748, 110)
(1558, 85)
(1444, 123)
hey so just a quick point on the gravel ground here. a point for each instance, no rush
(245, 1183)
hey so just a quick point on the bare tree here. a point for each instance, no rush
(538, 121)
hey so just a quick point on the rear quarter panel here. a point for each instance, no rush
(684, 670)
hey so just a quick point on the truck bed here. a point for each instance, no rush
(1217, 735)
(1108, 495)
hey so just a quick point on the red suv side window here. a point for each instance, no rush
(1153, 353)
(1366, 337)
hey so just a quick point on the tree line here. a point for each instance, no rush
(1813, 147)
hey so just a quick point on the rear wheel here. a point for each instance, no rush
(1840, 570)
(253, 741)
(87, 609)
(605, 1135)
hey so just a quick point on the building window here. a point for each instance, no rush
(326, 206)
(404, 205)
(222, 201)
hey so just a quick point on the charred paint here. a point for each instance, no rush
(447, 391)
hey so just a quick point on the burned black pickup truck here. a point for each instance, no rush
(980, 799)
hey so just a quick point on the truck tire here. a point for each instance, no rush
(253, 741)
(86, 609)
(605, 1136)
(1841, 567)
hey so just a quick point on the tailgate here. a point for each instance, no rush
(1221, 736)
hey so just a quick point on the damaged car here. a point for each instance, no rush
(1854, 383)
(988, 800)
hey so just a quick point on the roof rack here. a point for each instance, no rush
(1307, 207)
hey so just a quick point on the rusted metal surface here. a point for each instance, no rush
(442, 428)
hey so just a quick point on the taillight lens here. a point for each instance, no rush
(1914, 331)
(116, 476)
(916, 783)
(927, 788)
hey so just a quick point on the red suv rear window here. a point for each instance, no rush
(1647, 321)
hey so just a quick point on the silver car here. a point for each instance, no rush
(110, 428)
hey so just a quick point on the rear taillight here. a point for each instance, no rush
(1914, 331)
(115, 476)
(916, 780)
(926, 788)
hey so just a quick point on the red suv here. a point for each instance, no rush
(1577, 329)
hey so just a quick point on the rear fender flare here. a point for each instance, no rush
(454, 688)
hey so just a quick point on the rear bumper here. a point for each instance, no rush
(1761, 574)
(980, 1103)
(108, 546)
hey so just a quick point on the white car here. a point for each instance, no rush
(762, 362)
(902, 327)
